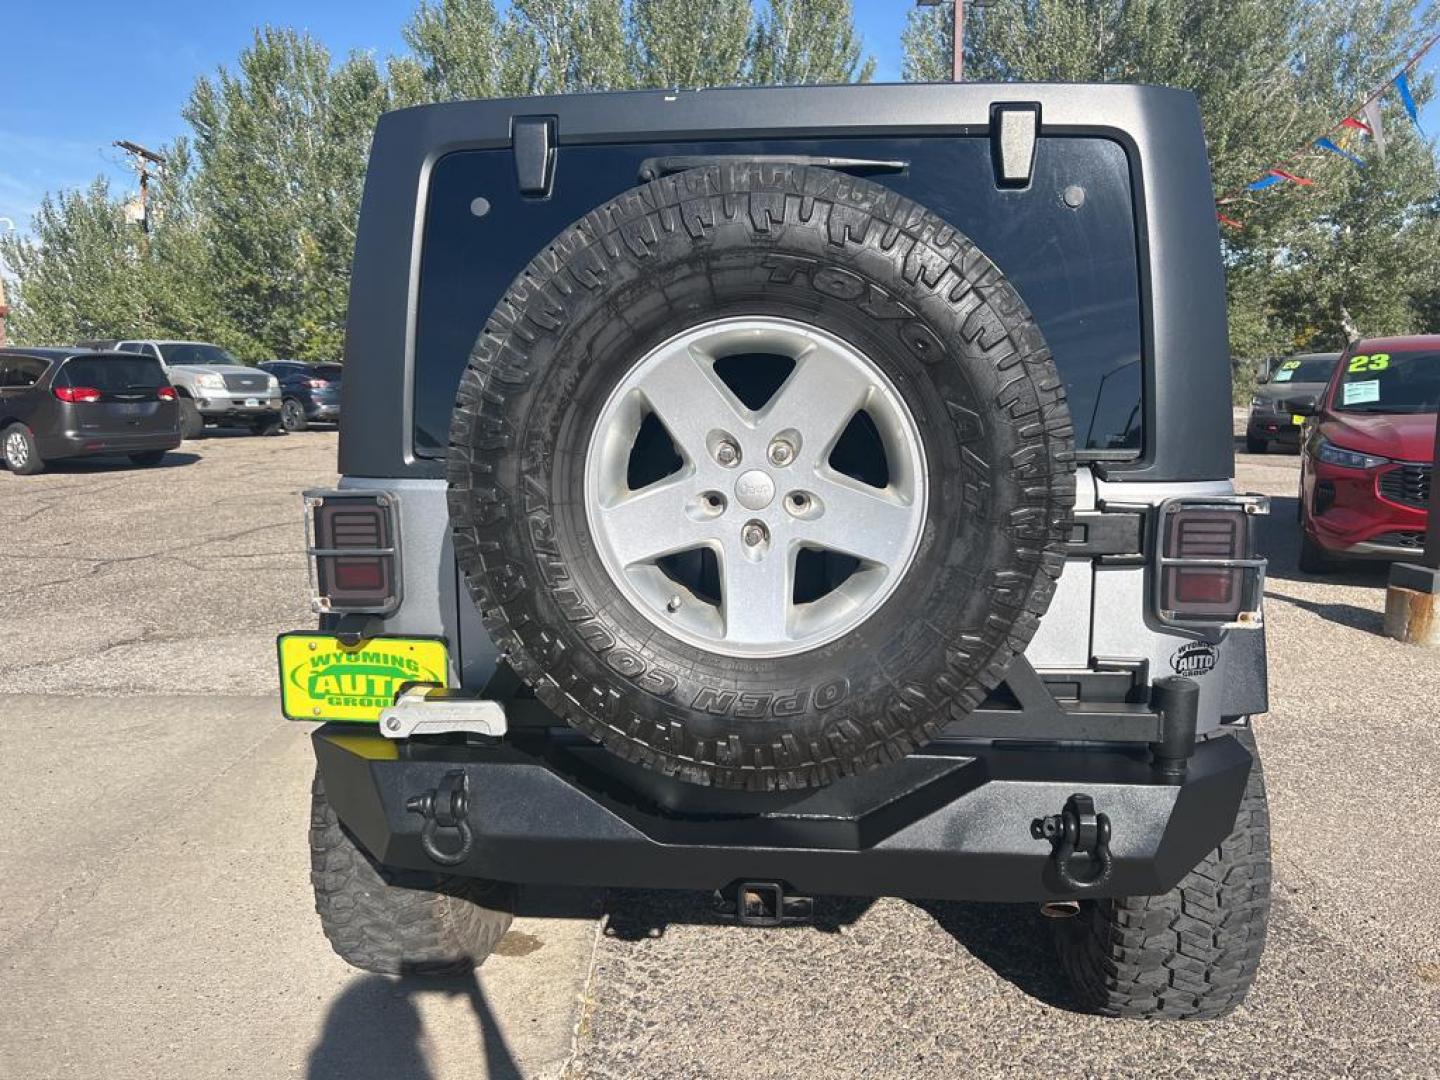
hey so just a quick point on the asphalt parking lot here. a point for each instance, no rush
(155, 914)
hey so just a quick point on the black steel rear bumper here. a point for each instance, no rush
(951, 822)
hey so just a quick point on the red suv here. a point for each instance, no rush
(1369, 454)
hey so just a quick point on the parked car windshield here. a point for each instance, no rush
(112, 373)
(1311, 369)
(1385, 382)
(189, 353)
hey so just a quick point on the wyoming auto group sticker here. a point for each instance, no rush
(1194, 658)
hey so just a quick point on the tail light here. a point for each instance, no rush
(77, 394)
(165, 393)
(319, 384)
(1208, 574)
(354, 549)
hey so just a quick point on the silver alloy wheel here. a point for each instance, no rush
(755, 487)
(17, 454)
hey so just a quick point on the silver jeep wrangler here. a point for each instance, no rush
(793, 491)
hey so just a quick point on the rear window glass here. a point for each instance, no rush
(1077, 268)
(112, 373)
(329, 371)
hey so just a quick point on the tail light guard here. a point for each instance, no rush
(1206, 574)
(353, 532)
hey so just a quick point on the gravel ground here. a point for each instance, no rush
(173, 582)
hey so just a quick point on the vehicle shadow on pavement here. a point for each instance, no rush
(1012, 940)
(374, 1030)
(81, 466)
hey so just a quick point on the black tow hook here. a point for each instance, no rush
(445, 807)
(1077, 830)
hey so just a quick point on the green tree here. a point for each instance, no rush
(75, 273)
(926, 43)
(1269, 76)
(281, 143)
(462, 49)
(808, 41)
(573, 46)
(700, 43)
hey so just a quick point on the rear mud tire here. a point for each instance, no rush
(399, 922)
(1192, 953)
(894, 282)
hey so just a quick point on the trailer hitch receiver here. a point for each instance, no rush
(1077, 831)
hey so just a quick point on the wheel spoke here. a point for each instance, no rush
(691, 401)
(869, 523)
(651, 522)
(818, 399)
(756, 593)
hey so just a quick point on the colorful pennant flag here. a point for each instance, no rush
(1369, 118)
(1376, 123)
(1402, 83)
(1329, 144)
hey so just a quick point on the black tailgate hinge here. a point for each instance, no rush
(532, 141)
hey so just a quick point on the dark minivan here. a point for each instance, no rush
(68, 402)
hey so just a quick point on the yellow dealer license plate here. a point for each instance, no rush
(321, 679)
(1298, 421)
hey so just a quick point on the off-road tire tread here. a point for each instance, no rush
(488, 517)
(1191, 953)
(399, 922)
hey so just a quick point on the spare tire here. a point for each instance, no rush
(759, 474)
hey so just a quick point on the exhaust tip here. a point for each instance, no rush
(1060, 909)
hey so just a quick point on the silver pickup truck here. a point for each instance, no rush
(214, 387)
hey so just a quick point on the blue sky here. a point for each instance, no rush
(81, 73)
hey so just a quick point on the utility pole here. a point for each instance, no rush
(957, 50)
(144, 158)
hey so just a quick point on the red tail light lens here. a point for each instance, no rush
(354, 554)
(77, 394)
(166, 393)
(1208, 572)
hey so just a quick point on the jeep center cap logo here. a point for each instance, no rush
(754, 490)
(1194, 658)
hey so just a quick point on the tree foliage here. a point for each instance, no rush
(1354, 253)
(808, 41)
(254, 217)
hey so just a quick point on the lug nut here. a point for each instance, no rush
(727, 453)
(673, 604)
(781, 452)
(753, 534)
